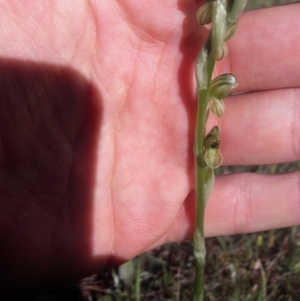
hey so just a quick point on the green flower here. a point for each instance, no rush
(221, 86)
(212, 155)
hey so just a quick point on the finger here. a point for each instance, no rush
(243, 203)
(261, 128)
(264, 52)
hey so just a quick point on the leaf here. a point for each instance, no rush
(199, 247)
(209, 183)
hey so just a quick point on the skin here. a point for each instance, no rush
(97, 119)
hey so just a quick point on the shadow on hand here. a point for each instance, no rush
(50, 118)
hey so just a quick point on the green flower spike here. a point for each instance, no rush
(223, 16)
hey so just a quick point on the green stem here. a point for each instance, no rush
(201, 176)
(235, 8)
(138, 279)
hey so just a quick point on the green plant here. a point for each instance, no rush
(222, 15)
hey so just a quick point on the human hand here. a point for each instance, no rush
(97, 126)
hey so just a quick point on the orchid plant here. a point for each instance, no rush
(222, 15)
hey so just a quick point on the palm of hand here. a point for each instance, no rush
(94, 161)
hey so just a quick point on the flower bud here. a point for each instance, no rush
(217, 107)
(221, 86)
(204, 13)
(223, 51)
(230, 31)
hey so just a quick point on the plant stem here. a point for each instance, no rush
(138, 278)
(201, 169)
(204, 69)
